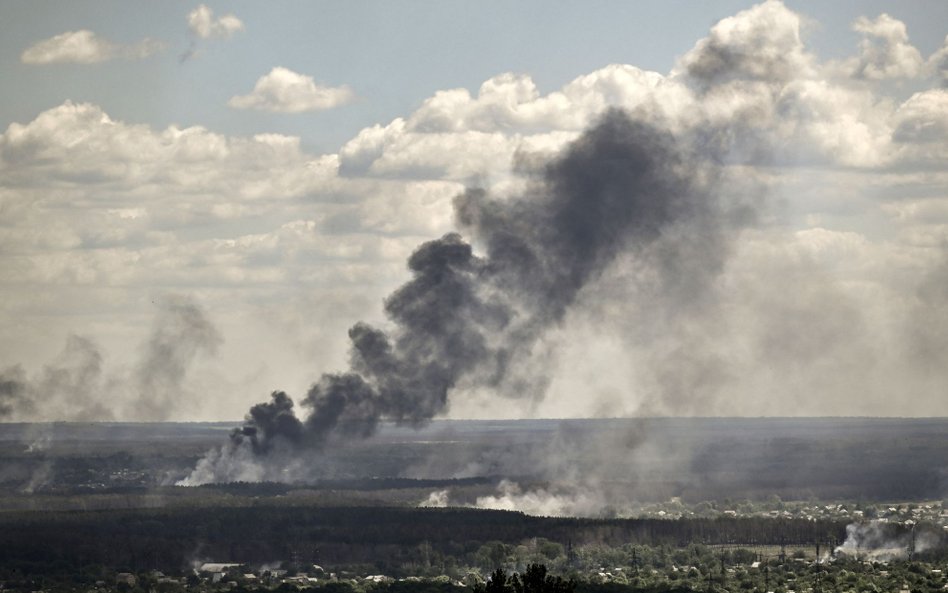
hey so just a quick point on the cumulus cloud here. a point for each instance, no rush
(104, 212)
(937, 64)
(79, 142)
(285, 91)
(923, 118)
(885, 51)
(296, 246)
(85, 47)
(203, 25)
(921, 130)
(762, 43)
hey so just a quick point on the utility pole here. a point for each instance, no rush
(819, 570)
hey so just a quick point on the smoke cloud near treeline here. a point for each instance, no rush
(468, 320)
(882, 541)
(76, 385)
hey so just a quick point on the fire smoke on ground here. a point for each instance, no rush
(881, 541)
(78, 386)
(467, 321)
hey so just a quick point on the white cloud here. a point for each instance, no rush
(923, 118)
(937, 64)
(285, 91)
(762, 43)
(79, 144)
(511, 103)
(201, 23)
(85, 47)
(885, 51)
(458, 136)
(921, 131)
(99, 212)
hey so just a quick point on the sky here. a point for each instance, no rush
(198, 201)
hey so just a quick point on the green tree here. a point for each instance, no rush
(536, 580)
(497, 583)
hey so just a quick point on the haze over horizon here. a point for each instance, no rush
(201, 204)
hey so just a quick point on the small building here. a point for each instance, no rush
(219, 566)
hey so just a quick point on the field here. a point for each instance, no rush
(628, 460)
(86, 500)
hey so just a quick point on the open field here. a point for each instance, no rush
(642, 459)
(667, 503)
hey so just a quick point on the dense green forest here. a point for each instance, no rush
(446, 551)
(93, 508)
(387, 538)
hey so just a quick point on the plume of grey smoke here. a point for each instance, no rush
(76, 381)
(543, 502)
(180, 332)
(39, 478)
(466, 321)
(928, 320)
(264, 449)
(75, 387)
(882, 541)
(560, 500)
(14, 393)
(70, 387)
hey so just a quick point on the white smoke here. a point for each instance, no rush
(239, 463)
(42, 476)
(882, 541)
(561, 501)
(438, 499)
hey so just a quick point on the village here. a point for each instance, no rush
(696, 568)
(905, 513)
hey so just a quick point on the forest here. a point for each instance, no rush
(386, 538)
(674, 505)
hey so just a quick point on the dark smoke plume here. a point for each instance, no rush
(470, 321)
(180, 332)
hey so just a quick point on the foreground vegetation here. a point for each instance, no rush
(384, 549)
(716, 505)
(591, 568)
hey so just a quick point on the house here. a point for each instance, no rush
(218, 570)
(218, 566)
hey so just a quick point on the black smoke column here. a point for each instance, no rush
(465, 320)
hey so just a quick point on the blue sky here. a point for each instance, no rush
(394, 55)
(201, 199)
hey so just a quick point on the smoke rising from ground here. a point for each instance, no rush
(68, 388)
(467, 321)
(76, 386)
(543, 502)
(882, 541)
(180, 333)
(557, 500)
